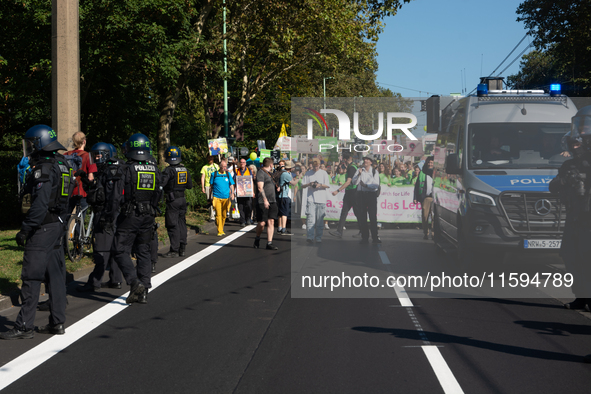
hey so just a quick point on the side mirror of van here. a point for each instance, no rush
(452, 164)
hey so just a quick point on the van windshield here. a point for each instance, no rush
(516, 145)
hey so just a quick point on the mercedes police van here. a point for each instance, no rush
(496, 153)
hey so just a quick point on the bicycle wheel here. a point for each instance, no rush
(73, 244)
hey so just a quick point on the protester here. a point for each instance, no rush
(317, 181)
(244, 203)
(367, 180)
(267, 209)
(221, 193)
(206, 172)
(349, 200)
(423, 193)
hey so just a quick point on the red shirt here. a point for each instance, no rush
(86, 167)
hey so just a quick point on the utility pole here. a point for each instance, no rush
(65, 70)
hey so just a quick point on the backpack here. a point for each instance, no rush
(277, 178)
(74, 161)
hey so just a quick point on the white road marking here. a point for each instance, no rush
(444, 375)
(15, 369)
(446, 378)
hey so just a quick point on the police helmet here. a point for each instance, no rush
(138, 147)
(581, 127)
(100, 153)
(571, 144)
(40, 138)
(113, 151)
(172, 155)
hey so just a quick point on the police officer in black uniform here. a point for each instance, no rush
(572, 184)
(136, 219)
(102, 195)
(175, 179)
(42, 233)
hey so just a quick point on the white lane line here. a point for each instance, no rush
(444, 375)
(400, 291)
(384, 257)
(30, 360)
(446, 378)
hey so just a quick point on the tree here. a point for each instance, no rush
(561, 30)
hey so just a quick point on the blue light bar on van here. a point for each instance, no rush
(555, 89)
(482, 90)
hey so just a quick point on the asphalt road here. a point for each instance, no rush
(228, 323)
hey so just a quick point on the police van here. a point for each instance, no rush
(495, 155)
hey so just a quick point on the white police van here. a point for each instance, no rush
(496, 153)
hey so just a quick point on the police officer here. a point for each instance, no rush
(102, 195)
(573, 183)
(175, 180)
(42, 232)
(141, 183)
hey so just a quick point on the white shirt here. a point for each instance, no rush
(316, 195)
(369, 178)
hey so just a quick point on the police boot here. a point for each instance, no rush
(143, 297)
(171, 253)
(578, 303)
(182, 250)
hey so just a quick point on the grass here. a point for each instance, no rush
(11, 255)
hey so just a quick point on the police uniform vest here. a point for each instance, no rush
(178, 180)
(141, 192)
(60, 193)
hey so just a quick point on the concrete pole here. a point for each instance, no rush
(65, 70)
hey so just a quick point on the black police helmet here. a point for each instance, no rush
(172, 155)
(100, 153)
(138, 147)
(581, 127)
(112, 151)
(40, 138)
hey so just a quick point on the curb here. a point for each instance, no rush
(13, 299)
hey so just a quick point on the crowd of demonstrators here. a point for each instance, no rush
(267, 209)
(316, 181)
(423, 193)
(221, 193)
(206, 172)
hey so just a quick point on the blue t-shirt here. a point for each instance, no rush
(284, 184)
(221, 184)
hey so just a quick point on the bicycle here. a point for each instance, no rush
(79, 233)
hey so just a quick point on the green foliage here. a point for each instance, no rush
(561, 32)
(10, 215)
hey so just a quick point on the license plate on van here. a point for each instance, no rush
(542, 243)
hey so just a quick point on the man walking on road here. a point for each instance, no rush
(367, 180)
(222, 190)
(349, 198)
(317, 181)
(267, 204)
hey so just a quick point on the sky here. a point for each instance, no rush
(431, 46)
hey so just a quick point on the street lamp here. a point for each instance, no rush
(324, 84)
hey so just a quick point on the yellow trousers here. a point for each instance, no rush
(221, 206)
